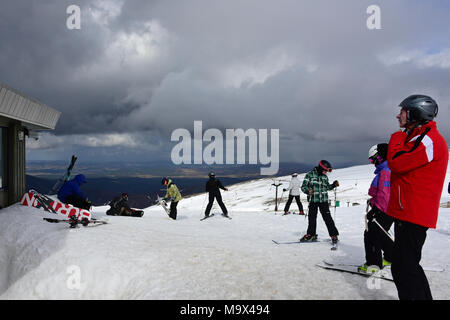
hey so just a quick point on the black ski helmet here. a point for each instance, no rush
(212, 175)
(324, 165)
(420, 108)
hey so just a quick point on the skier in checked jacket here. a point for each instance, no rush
(316, 186)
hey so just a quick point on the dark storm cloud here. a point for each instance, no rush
(311, 69)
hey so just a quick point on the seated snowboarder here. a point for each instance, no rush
(173, 195)
(213, 187)
(119, 206)
(294, 192)
(70, 193)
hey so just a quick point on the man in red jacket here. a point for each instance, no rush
(418, 159)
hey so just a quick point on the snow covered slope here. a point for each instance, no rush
(157, 258)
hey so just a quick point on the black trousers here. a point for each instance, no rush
(78, 202)
(218, 197)
(376, 242)
(326, 215)
(409, 277)
(173, 210)
(288, 203)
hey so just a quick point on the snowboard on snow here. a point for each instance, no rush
(163, 204)
(134, 213)
(137, 213)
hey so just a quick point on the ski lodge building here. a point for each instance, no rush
(20, 116)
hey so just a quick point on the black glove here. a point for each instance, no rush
(335, 183)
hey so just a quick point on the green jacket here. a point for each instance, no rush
(172, 193)
(319, 184)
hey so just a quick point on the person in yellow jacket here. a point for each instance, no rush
(172, 194)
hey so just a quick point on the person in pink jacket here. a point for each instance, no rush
(376, 241)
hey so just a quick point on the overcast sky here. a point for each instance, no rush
(137, 70)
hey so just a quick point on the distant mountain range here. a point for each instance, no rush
(52, 169)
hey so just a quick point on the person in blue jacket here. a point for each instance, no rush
(70, 193)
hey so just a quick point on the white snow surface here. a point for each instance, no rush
(157, 258)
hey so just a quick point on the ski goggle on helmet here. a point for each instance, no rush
(378, 153)
(373, 154)
(325, 166)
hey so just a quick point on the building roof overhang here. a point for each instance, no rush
(33, 114)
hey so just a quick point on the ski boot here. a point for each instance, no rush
(386, 263)
(73, 221)
(368, 269)
(334, 239)
(308, 238)
(85, 222)
(301, 213)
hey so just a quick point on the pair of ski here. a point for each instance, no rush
(43, 201)
(74, 222)
(293, 213)
(65, 177)
(223, 215)
(334, 246)
(384, 273)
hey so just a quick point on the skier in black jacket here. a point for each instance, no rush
(119, 207)
(213, 186)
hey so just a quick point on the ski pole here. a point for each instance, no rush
(365, 217)
(204, 200)
(387, 233)
(335, 198)
(281, 198)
